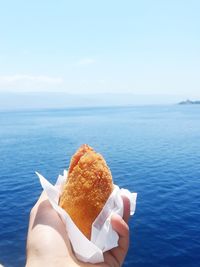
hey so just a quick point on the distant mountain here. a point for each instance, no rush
(189, 102)
(42, 100)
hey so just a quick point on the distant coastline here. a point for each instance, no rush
(189, 102)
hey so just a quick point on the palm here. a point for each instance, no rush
(47, 239)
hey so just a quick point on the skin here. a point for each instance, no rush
(48, 244)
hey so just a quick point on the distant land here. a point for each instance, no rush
(59, 100)
(189, 102)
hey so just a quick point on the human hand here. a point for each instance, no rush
(48, 244)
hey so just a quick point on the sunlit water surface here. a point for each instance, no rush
(154, 151)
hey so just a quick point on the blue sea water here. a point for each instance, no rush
(152, 150)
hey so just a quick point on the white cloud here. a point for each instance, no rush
(23, 82)
(20, 77)
(86, 61)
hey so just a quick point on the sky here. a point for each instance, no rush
(148, 48)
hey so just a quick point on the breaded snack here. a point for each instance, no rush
(87, 189)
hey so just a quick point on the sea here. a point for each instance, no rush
(151, 150)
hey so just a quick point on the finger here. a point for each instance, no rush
(126, 202)
(120, 226)
(110, 260)
(42, 197)
(34, 209)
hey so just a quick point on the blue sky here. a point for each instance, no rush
(80, 47)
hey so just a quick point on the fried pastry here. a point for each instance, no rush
(87, 188)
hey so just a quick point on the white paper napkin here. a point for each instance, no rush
(103, 237)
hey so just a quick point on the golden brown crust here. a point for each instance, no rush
(87, 189)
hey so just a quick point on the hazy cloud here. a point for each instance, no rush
(86, 61)
(23, 82)
(20, 77)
